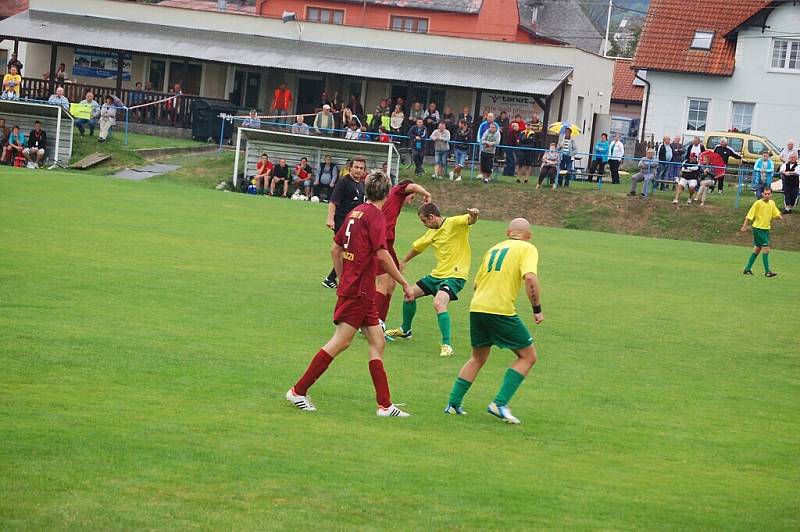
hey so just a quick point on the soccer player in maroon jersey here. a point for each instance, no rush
(358, 247)
(401, 194)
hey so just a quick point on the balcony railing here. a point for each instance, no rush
(176, 113)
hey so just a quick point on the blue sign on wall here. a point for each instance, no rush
(100, 64)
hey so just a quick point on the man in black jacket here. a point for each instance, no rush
(347, 194)
(37, 144)
(726, 153)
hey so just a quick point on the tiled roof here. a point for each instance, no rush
(9, 8)
(452, 6)
(667, 35)
(562, 20)
(623, 88)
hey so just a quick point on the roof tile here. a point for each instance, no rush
(9, 8)
(667, 35)
(623, 88)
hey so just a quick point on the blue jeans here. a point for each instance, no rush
(441, 159)
(80, 122)
(662, 174)
(511, 162)
(566, 164)
(461, 157)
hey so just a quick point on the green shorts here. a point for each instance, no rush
(503, 331)
(451, 285)
(760, 237)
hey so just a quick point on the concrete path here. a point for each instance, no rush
(146, 172)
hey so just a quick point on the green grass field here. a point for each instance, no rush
(149, 330)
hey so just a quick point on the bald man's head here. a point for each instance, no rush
(519, 228)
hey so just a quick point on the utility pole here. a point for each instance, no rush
(608, 28)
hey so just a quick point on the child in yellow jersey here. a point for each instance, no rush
(450, 240)
(493, 317)
(761, 213)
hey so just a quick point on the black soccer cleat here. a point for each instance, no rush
(747, 272)
(329, 283)
(770, 274)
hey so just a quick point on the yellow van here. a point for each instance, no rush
(750, 146)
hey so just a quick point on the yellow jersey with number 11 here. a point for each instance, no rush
(500, 276)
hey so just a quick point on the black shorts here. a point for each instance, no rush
(525, 157)
(487, 162)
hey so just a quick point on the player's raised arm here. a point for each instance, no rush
(473, 215)
(419, 189)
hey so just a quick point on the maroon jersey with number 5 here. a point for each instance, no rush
(362, 234)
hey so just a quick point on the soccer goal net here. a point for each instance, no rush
(279, 145)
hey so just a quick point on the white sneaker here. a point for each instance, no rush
(689, 201)
(392, 411)
(674, 202)
(457, 178)
(303, 402)
(503, 412)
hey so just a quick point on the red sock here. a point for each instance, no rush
(380, 301)
(380, 382)
(318, 365)
(384, 310)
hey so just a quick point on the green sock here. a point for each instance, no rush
(765, 258)
(460, 388)
(750, 262)
(511, 382)
(409, 309)
(444, 326)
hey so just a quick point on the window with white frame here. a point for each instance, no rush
(786, 54)
(697, 116)
(326, 16)
(702, 40)
(742, 116)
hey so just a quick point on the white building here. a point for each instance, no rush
(719, 65)
(242, 58)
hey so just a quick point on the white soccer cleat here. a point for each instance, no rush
(447, 351)
(303, 402)
(503, 412)
(392, 411)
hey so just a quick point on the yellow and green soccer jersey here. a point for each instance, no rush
(762, 213)
(450, 245)
(500, 276)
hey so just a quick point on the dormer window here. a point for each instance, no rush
(702, 40)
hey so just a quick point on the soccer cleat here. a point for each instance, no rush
(303, 402)
(454, 410)
(747, 272)
(770, 274)
(447, 351)
(675, 202)
(392, 411)
(398, 333)
(329, 283)
(503, 412)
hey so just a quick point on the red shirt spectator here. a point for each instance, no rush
(282, 99)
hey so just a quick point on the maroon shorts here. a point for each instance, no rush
(356, 311)
(393, 253)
